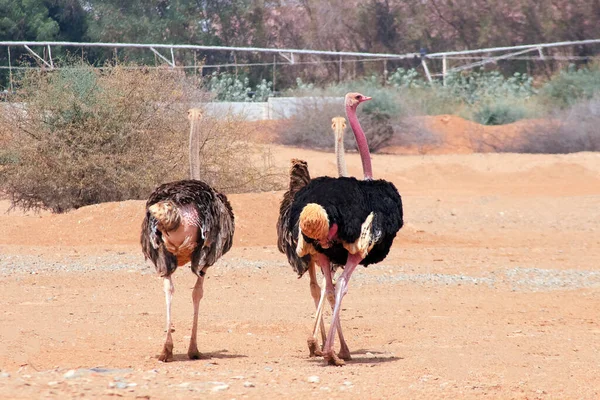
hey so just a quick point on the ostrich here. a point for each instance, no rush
(338, 124)
(347, 222)
(186, 221)
(299, 177)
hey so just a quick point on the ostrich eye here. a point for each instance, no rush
(358, 97)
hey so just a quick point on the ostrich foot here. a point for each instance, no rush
(167, 353)
(194, 354)
(345, 355)
(333, 359)
(313, 347)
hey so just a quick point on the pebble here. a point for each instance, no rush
(249, 384)
(70, 374)
(4, 375)
(117, 385)
(268, 369)
(220, 388)
(313, 379)
(347, 383)
(53, 383)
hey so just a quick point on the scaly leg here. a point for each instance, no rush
(197, 294)
(318, 296)
(340, 290)
(167, 353)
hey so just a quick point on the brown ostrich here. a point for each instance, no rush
(186, 221)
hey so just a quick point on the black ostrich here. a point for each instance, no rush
(344, 221)
(186, 221)
(299, 177)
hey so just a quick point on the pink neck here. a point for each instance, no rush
(361, 142)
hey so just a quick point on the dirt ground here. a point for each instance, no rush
(492, 289)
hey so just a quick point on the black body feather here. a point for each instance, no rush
(215, 235)
(348, 202)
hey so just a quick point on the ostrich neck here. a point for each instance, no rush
(194, 149)
(361, 142)
(340, 153)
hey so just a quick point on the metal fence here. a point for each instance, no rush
(166, 54)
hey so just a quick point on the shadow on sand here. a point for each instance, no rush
(218, 354)
(363, 356)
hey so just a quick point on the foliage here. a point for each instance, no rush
(87, 136)
(227, 87)
(571, 86)
(500, 111)
(569, 131)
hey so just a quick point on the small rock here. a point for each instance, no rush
(4, 375)
(70, 374)
(347, 383)
(53, 383)
(268, 369)
(369, 354)
(117, 385)
(220, 388)
(313, 379)
(249, 384)
(184, 385)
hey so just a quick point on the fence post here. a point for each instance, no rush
(10, 80)
(274, 70)
(444, 70)
(426, 69)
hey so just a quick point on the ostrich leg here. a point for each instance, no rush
(318, 296)
(167, 353)
(330, 294)
(341, 288)
(197, 294)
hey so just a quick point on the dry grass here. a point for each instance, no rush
(81, 136)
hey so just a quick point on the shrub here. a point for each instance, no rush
(571, 86)
(311, 125)
(80, 136)
(227, 87)
(500, 111)
(569, 131)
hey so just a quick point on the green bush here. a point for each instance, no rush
(500, 111)
(571, 86)
(227, 87)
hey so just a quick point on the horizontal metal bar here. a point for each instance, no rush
(524, 46)
(201, 47)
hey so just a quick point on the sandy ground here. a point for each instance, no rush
(492, 289)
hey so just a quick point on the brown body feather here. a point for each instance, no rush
(286, 242)
(186, 221)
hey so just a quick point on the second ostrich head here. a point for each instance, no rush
(338, 124)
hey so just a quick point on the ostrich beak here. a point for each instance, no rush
(365, 98)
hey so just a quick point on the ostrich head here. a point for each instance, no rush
(314, 222)
(195, 114)
(338, 124)
(167, 214)
(354, 99)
